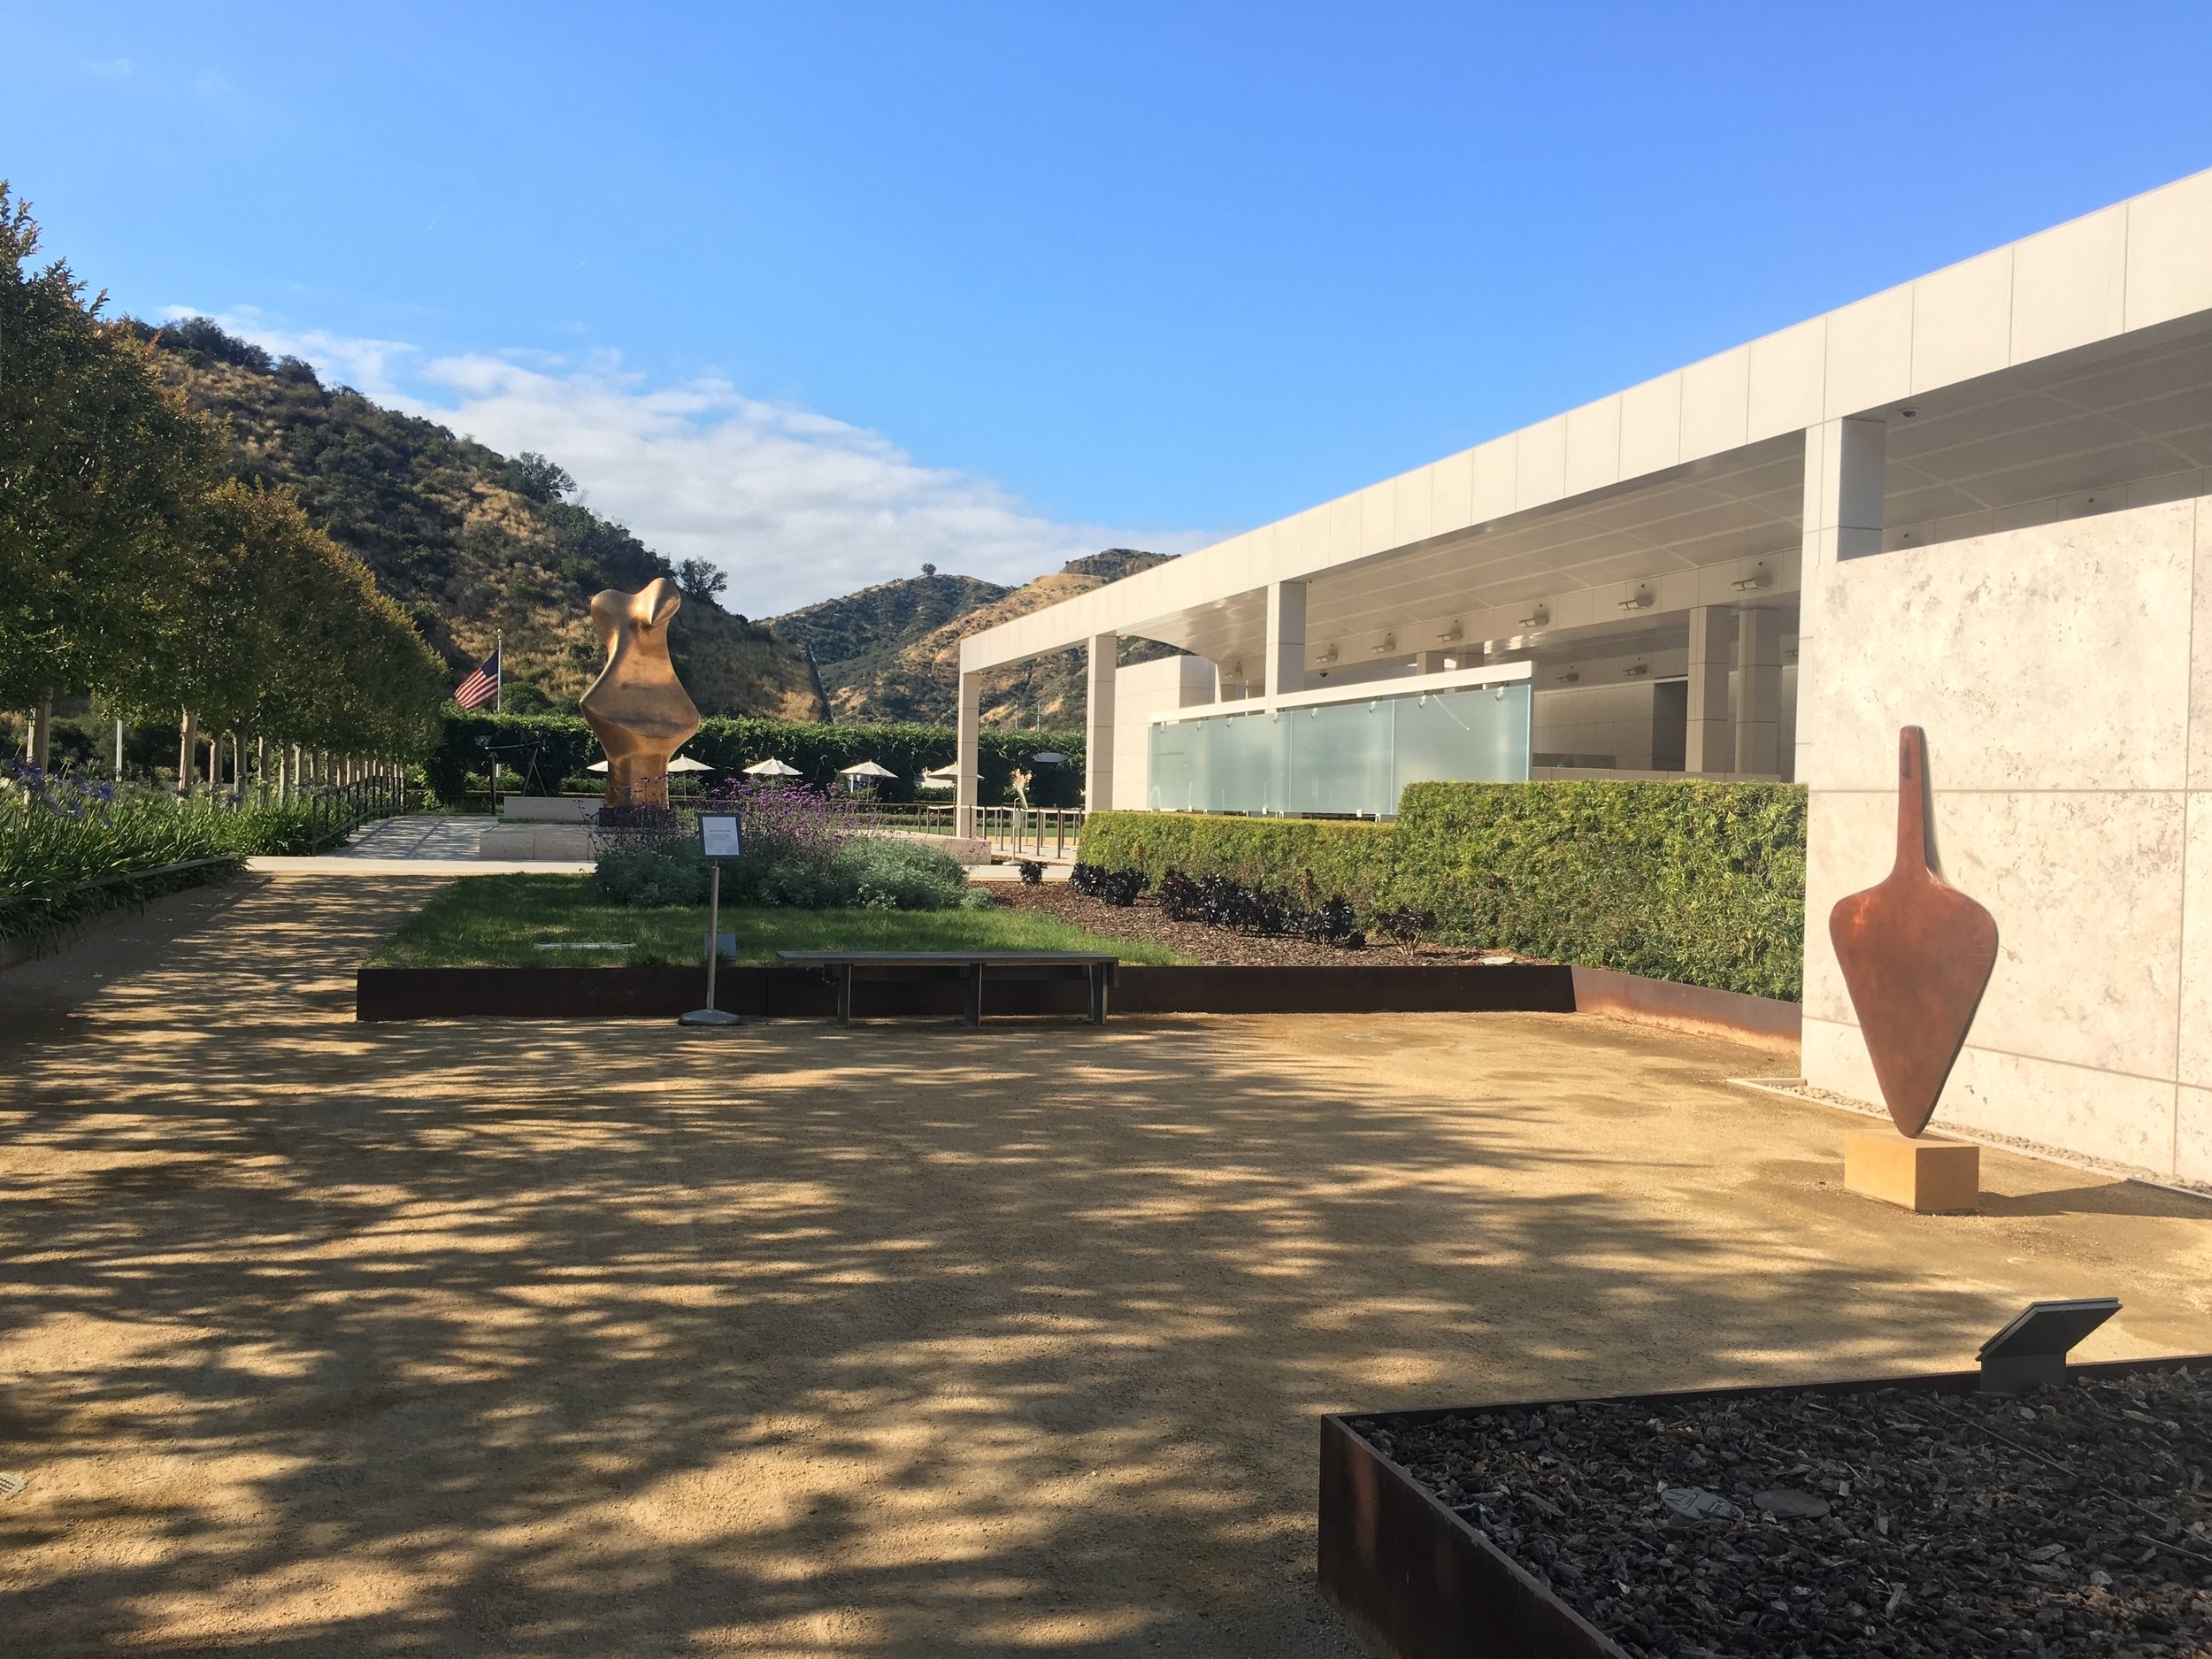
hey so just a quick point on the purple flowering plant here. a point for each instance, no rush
(783, 823)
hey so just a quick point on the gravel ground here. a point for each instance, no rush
(1201, 942)
(2070, 1522)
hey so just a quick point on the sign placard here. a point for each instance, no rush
(719, 837)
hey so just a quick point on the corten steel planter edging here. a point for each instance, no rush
(391, 993)
(1693, 1008)
(1419, 1582)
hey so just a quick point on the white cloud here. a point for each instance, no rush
(794, 505)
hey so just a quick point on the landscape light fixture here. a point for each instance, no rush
(1390, 644)
(1540, 618)
(1634, 669)
(2031, 1350)
(1641, 600)
(1569, 677)
(1760, 576)
(1329, 656)
(1452, 634)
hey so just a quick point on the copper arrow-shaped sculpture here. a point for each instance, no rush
(1916, 954)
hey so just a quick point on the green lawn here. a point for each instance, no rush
(501, 921)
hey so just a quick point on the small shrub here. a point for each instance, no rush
(908, 874)
(979, 899)
(1405, 924)
(1116, 887)
(1033, 872)
(1332, 923)
(673, 873)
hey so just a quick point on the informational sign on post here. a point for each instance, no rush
(718, 840)
(719, 837)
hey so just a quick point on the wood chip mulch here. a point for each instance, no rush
(1221, 946)
(2068, 1523)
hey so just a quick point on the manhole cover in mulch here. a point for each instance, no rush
(2072, 1522)
(11, 1485)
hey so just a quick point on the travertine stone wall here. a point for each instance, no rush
(2063, 673)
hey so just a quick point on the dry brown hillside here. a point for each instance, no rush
(916, 678)
(471, 542)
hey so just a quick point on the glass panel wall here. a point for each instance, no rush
(1352, 759)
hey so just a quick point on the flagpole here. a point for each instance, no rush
(499, 702)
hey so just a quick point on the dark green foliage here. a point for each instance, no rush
(1304, 860)
(675, 873)
(565, 746)
(867, 873)
(1702, 883)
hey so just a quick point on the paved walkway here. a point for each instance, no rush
(318, 1338)
(417, 844)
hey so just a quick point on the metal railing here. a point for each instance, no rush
(336, 810)
(1040, 831)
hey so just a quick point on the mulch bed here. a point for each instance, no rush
(2072, 1520)
(1226, 946)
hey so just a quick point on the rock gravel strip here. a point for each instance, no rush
(2070, 1523)
(320, 1340)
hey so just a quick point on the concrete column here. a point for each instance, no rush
(1286, 638)
(968, 754)
(1709, 745)
(1759, 692)
(1843, 462)
(1098, 727)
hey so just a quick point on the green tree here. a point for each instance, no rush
(99, 467)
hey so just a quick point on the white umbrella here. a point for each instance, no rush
(1048, 758)
(682, 763)
(772, 768)
(866, 769)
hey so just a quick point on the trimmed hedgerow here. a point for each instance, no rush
(1699, 882)
(1306, 860)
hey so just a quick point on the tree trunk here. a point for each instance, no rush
(188, 751)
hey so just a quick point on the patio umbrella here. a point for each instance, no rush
(682, 763)
(772, 768)
(866, 769)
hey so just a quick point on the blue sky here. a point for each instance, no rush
(822, 291)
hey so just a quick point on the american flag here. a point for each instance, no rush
(480, 687)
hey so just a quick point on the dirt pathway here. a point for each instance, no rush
(499, 1338)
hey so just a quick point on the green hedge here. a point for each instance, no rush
(1702, 883)
(730, 745)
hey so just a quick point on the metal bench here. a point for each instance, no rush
(1098, 968)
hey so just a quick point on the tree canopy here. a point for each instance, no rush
(133, 566)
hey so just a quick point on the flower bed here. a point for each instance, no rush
(1911, 1519)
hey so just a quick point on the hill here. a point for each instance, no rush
(892, 652)
(471, 542)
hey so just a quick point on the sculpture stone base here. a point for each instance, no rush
(1921, 1173)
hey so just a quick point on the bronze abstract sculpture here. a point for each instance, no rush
(1916, 954)
(637, 707)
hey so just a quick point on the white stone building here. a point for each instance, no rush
(1975, 502)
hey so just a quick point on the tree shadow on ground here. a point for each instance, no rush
(613, 1339)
